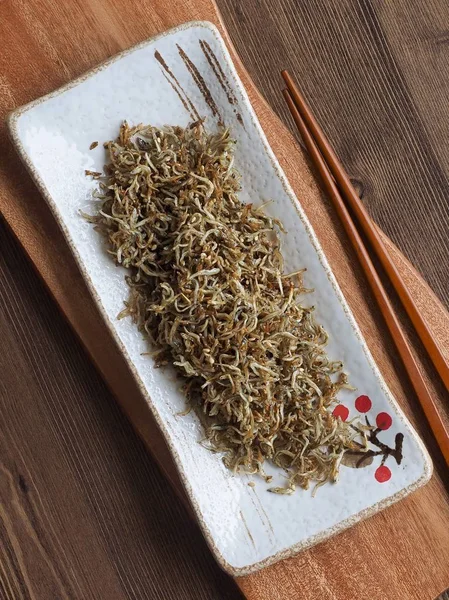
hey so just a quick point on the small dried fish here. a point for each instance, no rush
(209, 292)
(94, 174)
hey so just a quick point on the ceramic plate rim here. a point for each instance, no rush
(12, 121)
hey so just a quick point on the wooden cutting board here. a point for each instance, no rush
(402, 553)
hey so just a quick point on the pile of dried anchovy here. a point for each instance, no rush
(208, 288)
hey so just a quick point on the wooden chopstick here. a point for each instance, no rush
(428, 405)
(370, 230)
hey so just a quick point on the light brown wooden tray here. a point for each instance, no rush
(401, 553)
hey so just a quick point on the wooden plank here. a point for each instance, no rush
(372, 553)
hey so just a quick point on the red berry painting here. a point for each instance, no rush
(341, 411)
(378, 451)
(363, 404)
(384, 421)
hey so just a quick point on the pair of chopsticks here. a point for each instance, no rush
(343, 195)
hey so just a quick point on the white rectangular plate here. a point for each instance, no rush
(168, 80)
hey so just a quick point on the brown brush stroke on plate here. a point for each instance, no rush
(173, 81)
(178, 93)
(199, 80)
(258, 507)
(247, 529)
(221, 77)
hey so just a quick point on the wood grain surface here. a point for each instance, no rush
(84, 511)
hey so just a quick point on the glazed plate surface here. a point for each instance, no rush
(173, 79)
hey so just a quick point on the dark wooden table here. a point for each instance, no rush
(84, 510)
